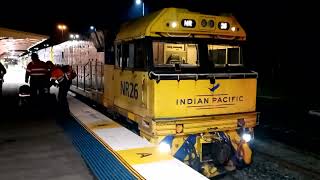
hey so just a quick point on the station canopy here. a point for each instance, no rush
(13, 43)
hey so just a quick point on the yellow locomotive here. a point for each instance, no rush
(179, 76)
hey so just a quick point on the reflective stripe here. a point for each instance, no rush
(60, 79)
(24, 95)
(38, 74)
(28, 70)
(66, 75)
(39, 69)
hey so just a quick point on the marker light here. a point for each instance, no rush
(164, 147)
(246, 137)
(233, 29)
(174, 24)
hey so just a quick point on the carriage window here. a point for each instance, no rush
(221, 55)
(169, 54)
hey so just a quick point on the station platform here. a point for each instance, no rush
(33, 146)
(122, 153)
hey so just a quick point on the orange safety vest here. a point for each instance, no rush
(57, 74)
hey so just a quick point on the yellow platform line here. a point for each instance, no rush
(114, 153)
(102, 124)
(144, 155)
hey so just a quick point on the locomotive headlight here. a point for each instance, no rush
(164, 147)
(246, 137)
(233, 29)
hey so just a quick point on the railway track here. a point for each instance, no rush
(273, 160)
(305, 171)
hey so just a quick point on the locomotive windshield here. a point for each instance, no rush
(195, 54)
(169, 54)
(222, 54)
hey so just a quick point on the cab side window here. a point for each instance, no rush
(122, 56)
(140, 57)
(130, 56)
(118, 54)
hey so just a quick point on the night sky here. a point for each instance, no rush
(43, 17)
(277, 31)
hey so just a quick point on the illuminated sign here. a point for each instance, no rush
(224, 25)
(189, 23)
